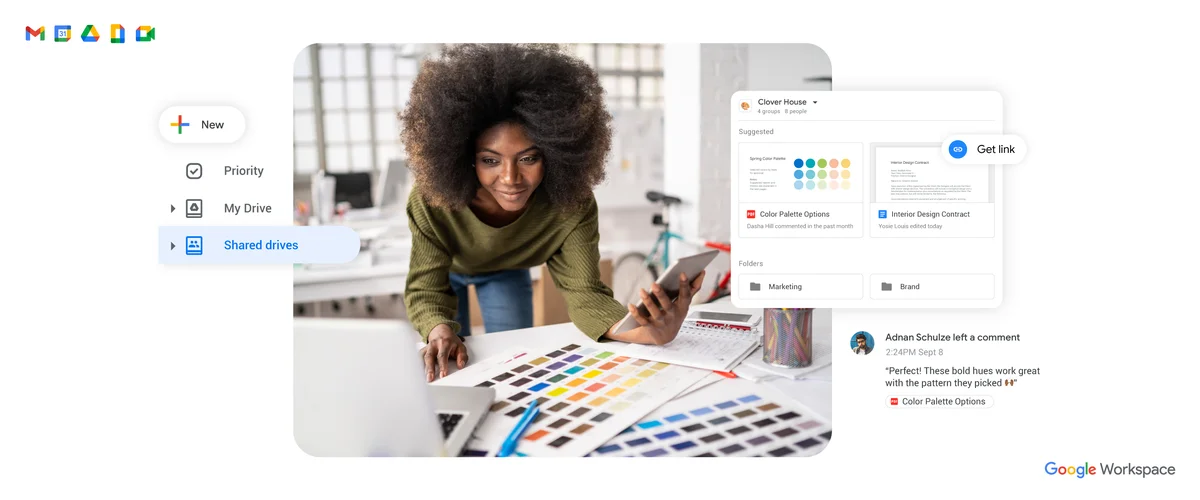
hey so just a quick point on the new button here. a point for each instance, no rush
(202, 124)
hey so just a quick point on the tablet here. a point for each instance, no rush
(692, 266)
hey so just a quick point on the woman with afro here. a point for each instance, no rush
(506, 143)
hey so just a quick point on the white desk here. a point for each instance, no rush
(816, 393)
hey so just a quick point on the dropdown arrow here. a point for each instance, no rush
(172, 208)
(172, 245)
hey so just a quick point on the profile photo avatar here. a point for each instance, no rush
(862, 343)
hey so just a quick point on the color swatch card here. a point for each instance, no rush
(586, 394)
(729, 418)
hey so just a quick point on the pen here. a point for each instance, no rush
(510, 444)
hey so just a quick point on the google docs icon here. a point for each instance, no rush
(883, 214)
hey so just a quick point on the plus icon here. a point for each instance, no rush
(179, 124)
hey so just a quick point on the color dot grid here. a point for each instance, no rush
(579, 389)
(746, 425)
(821, 173)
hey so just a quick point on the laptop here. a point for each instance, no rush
(361, 392)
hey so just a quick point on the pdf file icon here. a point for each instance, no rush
(749, 214)
(895, 401)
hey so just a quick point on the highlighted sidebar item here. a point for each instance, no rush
(257, 245)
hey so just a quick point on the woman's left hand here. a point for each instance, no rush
(662, 324)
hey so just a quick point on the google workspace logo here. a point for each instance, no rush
(116, 33)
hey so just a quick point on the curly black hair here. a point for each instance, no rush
(556, 97)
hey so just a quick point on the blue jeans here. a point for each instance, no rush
(505, 300)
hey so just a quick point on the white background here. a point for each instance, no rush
(120, 376)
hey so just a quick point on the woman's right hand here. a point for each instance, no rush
(442, 346)
(662, 323)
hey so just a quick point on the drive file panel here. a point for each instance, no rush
(850, 199)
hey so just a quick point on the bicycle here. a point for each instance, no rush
(640, 270)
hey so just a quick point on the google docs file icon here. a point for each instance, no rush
(883, 214)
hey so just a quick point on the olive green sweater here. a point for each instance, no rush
(445, 241)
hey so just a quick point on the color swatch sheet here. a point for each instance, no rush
(729, 418)
(586, 394)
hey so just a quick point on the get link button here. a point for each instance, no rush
(202, 124)
(984, 150)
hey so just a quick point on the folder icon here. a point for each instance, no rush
(754, 287)
(887, 287)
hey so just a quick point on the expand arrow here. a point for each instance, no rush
(172, 245)
(172, 208)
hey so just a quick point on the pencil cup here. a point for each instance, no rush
(787, 337)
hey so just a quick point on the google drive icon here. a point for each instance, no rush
(90, 34)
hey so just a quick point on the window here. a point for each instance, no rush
(347, 101)
(631, 73)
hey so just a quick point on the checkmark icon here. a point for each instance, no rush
(194, 170)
